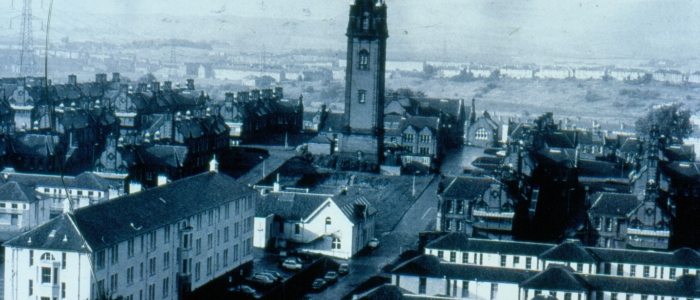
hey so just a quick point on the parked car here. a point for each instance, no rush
(319, 284)
(373, 243)
(275, 275)
(245, 289)
(292, 264)
(263, 279)
(331, 277)
(343, 269)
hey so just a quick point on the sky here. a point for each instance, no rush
(520, 30)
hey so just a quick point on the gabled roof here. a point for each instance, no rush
(86, 180)
(683, 257)
(35, 144)
(289, 206)
(569, 251)
(13, 191)
(462, 242)
(383, 292)
(59, 233)
(687, 286)
(164, 155)
(358, 210)
(111, 222)
(430, 266)
(556, 278)
(614, 204)
(467, 187)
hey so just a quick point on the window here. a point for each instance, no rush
(503, 260)
(114, 254)
(613, 296)
(528, 263)
(672, 273)
(226, 234)
(31, 287)
(197, 270)
(210, 240)
(101, 287)
(141, 271)
(31, 258)
(465, 289)
(45, 275)
(152, 266)
(481, 135)
(421, 285)
(235, 252)
(198, 246)
(608, 224)
(440, 253)
(227, 210)
(633, 270)
(166, 260)
(63, 290)
(166, 286)
(453, 256)
(328, 220)
(620, 270)
(152, 240)
(424, 150)
(166, 234)
(199, 221)
(645, 297)
(152, 291)
(208, 265)
(685, 272)
(494, 290)
(567, 296)
(646, 271)
(465, 257)
(130, 248)
(424, 138)
(460, 206)
(364, 60)
(408, 149)
(516, 260)
(225, 257)
(407, 138)
(210, 214)
(130, 275)
(100, 259)
(113, 282)
(63, 260)
(335, 244)
(361, 96)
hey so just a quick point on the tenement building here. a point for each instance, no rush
(160, 243)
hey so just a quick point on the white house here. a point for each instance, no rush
(150, 245)
(318, 223)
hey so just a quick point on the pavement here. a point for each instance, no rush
(404, 236)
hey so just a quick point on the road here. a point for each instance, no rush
(420, 217)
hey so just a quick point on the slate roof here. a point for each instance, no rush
(614, 204)
(685, 286)
(597, 168)
(334, 122)
(86, 180)
(557, 278)
(111, 222)
(569, 251)
(65, 238)
(430, 266)
(467, 187)
(35, 145)
(163, 155)
(357, 210)
(683, 257)
(689, 170)
(289, 206)
(462, 242)
(16, 192)
(383, 292)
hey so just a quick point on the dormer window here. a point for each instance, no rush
(364, 60)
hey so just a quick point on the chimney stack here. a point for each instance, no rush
(229, 97)
(115, 77)
(167, 85)
(101, 78)
(243, 96)
(155, 86)
(72, 79)
(123, 89)
(141, 87)
(190, 84)
(279, 92)
(267, 94)
(254, 94)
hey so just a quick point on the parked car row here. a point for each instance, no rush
(331, 277)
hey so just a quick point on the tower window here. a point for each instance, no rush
(361, 95)
(364, 60)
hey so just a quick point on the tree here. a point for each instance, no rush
(673, 121)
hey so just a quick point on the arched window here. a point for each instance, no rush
(328, 220)
(364, 60)
(335, 244)
(482, 134)
(365, 21)
(47, 256)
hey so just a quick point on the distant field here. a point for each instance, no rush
(603, 101)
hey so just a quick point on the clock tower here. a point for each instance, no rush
(364, 80)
